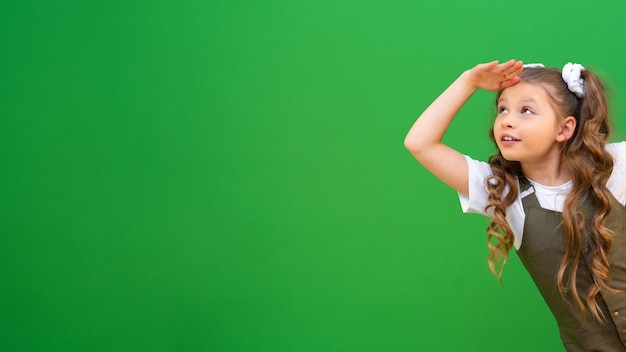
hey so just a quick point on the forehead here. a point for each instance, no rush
(525, 91)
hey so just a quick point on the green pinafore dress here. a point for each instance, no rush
(541, 252)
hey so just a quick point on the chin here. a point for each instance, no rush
(508, 157)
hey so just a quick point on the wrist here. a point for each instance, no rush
(465, 79)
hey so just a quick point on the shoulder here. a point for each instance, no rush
(478, 168)
(477, 173)
(478, 198)
(618, 150)
(616, 183)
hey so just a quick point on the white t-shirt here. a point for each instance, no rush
(551, 198)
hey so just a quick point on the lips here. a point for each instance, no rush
(507, 138)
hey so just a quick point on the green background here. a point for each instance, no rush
(231, 176)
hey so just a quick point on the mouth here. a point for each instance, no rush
(509, 139)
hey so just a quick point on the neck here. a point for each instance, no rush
(547, 173)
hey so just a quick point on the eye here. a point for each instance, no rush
(527, 111)
(502, 110)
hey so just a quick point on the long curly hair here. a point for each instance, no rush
(589, 166)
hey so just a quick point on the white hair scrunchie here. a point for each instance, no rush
(571, 76)
(533, 65)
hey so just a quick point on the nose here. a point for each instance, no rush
(506, 121)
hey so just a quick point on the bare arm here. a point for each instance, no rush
(424, 138)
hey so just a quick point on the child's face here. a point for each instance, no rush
(526, 127)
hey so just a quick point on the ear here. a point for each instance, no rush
(567, 128)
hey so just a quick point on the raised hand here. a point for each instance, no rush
(494, 76)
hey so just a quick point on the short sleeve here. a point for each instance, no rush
(476, 200)
(617, 181)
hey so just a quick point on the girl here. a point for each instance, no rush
(555, 190)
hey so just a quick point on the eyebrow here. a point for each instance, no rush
(525, 100)
(529, 100)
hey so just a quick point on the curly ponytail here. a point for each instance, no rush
(590, 167)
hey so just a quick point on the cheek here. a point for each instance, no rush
(493, 133)
(495, 125)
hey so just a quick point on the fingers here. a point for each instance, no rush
(488, 66)
(510, 67)
(509, 82)
(515, 69)
(509, 72)
(494, 75)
